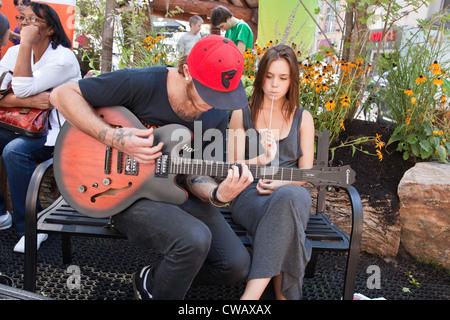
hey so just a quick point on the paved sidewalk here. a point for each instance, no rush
(106, 266)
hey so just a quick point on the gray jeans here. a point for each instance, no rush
(196, 241)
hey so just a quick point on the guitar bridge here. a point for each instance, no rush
(161, 167)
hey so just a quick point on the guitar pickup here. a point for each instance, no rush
(161, 166)
(131, 166)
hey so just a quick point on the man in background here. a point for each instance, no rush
(188, 40)
(236, 30)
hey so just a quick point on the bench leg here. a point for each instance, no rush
(355, 243)
(311, 266)
(350, 273)
(30, 260)
(66, 249)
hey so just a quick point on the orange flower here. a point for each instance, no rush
(380, 156)
(379, 144)
(345, 101)
(437, 72)
(330, 105)
(409, 92)
(413, 100)
(421, 79)
(438, 81)
(436, 68)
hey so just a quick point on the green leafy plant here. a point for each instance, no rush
(416, 100)
(412, 280)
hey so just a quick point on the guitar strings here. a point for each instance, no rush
(204, 167)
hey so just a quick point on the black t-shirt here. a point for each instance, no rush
(144, 92)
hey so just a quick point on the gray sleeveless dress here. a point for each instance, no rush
(277, 221)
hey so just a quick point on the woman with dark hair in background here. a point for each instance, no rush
(42, 61)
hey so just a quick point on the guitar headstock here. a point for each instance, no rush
(331, 176)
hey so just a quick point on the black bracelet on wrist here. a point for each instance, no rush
(216, 202)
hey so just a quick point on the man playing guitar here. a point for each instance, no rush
(193, 237)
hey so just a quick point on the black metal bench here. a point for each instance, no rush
(60, 218)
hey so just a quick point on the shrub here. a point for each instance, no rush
(416, 99)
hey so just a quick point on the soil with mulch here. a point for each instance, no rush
(375, 180)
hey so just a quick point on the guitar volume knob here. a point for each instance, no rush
(82, 189)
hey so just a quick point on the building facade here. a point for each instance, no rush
(332, 27)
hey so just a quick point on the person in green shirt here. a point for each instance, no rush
(235, 29)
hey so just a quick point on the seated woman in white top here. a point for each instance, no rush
(42, 61)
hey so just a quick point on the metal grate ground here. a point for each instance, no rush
(106, 266)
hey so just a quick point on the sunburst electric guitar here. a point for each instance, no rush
(100, 181)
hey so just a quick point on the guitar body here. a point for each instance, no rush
(80, 162)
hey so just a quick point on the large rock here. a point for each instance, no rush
(424, 194)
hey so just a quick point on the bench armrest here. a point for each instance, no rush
(31, 219)
(355, 242)
(357, 216)
(32, 198)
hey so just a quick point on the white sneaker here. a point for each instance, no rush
(20, 246)
(5, 221)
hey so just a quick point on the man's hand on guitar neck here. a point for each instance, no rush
(235, 182)
(137, 143)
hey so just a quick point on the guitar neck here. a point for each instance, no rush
(322, 176)
(220, 169)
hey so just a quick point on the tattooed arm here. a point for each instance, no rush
(200, 186)
(227, 190)
(136, 143)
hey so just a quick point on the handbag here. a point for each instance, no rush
(31, 122)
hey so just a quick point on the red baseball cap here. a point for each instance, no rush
(216, 66)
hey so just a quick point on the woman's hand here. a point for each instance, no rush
(29, 34)
(269, 144)
(40, 101)
(266, 187)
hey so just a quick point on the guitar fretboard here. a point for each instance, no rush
(220, 169)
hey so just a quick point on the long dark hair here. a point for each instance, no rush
(59, 36)
(290, 107)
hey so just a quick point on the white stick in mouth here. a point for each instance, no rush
(271, 111)
(268, 145)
